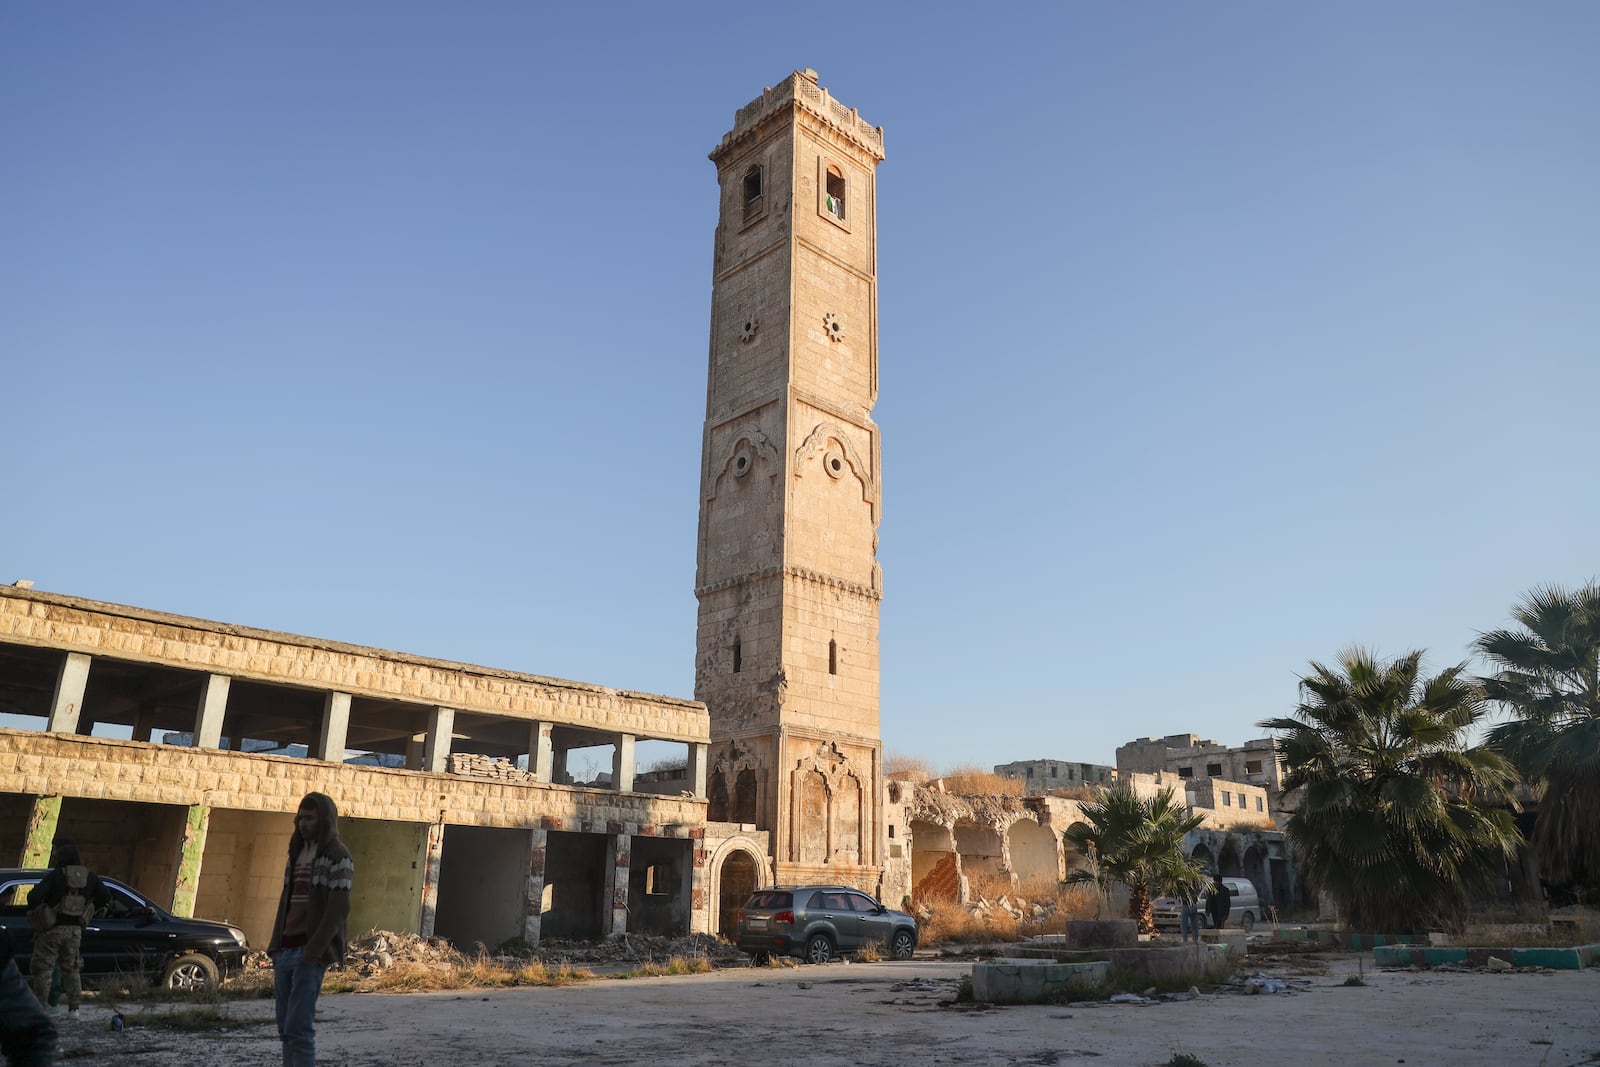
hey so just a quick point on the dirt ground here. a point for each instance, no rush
(890, 1013)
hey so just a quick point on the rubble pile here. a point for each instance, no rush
(1018, 908)
(477, 765)
(378, 950)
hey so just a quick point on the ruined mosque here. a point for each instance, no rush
(465, 810)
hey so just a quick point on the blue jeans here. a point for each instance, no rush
(1189, 923)
(297, 981)
(27, 1037)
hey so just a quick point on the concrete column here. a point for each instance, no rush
(335, 725)
(621, 850)
(436, 750)
(68, 700)
(430, 879)
(622, 764)
(42, 820)
(541, 756)
(533, 912)
(699, 758)
(695, 884)
(144, 722)
(414, 751)
(194, 847)
(213, 707)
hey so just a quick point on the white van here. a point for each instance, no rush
(1244, 907)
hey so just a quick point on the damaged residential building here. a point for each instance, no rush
(1041, 777)
(482, 804)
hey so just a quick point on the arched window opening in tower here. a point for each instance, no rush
(833, 657)
(835, 200)
(738, 656)
(754, 192)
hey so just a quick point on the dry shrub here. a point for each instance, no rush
(952, 923)
(975, 781)
(1083, 794)
(906, 768)
(869, 953)
(675, 965)
(481, 973)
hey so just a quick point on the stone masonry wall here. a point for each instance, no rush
(95, 628)
(38, 763)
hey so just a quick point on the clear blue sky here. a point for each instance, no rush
(1214, 337)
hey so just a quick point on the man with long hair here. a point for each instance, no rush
(309, 935)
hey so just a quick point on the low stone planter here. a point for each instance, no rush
(1025, 981)
(1102, 933)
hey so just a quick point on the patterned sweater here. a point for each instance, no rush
(328, 909)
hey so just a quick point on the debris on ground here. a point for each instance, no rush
(1262, 984)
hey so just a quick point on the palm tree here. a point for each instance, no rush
(1398, 819)
(1137, 842)
(1550, 682)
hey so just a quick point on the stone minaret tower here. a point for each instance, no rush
(786, 654)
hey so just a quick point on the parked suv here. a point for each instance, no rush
(1244, 907)
(819, 922)
(132, 936)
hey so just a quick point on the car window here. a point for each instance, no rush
(770, 901)
(122, 905)
(862, 903)
(816, 901)
(14, 897)
(836, 901)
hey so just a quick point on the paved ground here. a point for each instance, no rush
(888, 1014)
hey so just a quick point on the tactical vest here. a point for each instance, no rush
(74, 904)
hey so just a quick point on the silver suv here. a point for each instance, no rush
(819, 922)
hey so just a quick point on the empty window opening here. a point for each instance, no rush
(658, 880)
(1214, 770)
(833, 657)
(1258, 804)
(1252, 766)
(1227, 799)
(1185, 772)
(891, 830)
(755, 199)
(738, 656)
(835, 195)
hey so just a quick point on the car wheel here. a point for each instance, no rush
(901, 944)
(192, 973)
(819, 949)
(1247, 920)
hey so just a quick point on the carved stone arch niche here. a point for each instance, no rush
(733, 787)
(744, 451)
(826, 797)
(839, 459)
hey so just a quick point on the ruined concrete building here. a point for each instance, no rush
(1041, 777)
(457, 782)
(1254, 763)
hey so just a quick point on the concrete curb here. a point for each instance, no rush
(1560, 959)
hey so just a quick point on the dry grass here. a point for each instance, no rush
(675, 965)
(869, 953)
(482, 973)
(906, 768)
(974, 781)
(952, 923)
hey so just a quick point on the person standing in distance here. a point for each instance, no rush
(308, 935)
(1219, 903)
(61, 905)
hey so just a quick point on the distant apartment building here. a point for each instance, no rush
(1042, 777)
(1225, 805)
(1253, 763)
